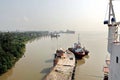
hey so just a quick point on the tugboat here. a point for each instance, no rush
(78, 50)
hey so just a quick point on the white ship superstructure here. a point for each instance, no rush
(113, 44)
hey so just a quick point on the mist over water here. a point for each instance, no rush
(39, 55)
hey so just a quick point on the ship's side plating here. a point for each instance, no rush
(115, 63)
(113, 44)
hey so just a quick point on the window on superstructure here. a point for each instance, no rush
(117, 59)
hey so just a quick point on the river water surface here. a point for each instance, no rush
(38, 58)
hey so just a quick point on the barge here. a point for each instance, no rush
(63, 67)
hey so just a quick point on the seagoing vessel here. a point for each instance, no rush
(113, 44)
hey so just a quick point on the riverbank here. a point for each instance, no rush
(12, 47)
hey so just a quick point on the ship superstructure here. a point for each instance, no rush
(113, 44)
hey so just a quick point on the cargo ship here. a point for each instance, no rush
(113, 46)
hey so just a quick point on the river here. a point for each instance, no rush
(39, 54)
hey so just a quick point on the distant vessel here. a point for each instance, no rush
(54, 35)
(78, 50)
(68, 31)
(113, 46)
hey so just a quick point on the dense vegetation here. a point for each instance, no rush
(12, 47)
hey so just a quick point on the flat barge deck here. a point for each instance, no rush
(64, 68)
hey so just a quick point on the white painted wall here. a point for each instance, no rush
(115, 67)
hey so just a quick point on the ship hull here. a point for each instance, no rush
(78, 55)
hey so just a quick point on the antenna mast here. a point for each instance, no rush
(79, 39)
(112, 23)
(112, 27)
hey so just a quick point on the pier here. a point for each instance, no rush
(64, 68)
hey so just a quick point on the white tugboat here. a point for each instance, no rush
(113, 45)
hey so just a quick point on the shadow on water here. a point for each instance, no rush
(80, 62)
(46, 70)
(87, 56)
(49, 61)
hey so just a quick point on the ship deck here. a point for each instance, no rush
(64, 69)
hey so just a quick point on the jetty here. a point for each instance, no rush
(64, 66)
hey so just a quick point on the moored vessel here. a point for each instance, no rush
(78, 50)
(113, 45)
(64, 66)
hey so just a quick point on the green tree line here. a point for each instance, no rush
(12, 47)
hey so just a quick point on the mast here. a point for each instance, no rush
(112, 22)
(79, 39)
(113, 44)
(111, 13)
(112, 27)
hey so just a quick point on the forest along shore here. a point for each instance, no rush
(12, 47)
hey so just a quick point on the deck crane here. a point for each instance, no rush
(111, 22)
(113, 44)
(112, 26)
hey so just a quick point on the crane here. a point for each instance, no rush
(111, 22)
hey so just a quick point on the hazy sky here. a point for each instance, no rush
(83, 15)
